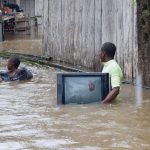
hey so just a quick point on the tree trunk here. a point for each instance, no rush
(144, 39)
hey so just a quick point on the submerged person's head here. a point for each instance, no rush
(108, 51)
(13, 63)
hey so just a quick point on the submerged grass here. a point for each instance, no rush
(32, 59)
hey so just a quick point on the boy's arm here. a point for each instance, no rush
(115, 84)
(111, 96)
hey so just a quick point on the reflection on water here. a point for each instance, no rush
(139, 90)
(31, 120)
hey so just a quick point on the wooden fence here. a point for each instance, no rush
(32, 7)
(28, 7)
(74, 31)
(34, 10)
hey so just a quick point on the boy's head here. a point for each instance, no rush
(108, 51)
(13, 63)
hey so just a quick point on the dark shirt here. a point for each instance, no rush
(23, 74)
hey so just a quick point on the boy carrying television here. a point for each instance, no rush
(107, 54)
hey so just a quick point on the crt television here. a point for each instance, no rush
(82, 88)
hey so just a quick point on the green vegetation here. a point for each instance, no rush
(6, 55)
(134, 2)
(146, 13)
(38, 60)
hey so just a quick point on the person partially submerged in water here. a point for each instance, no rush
(15, 73)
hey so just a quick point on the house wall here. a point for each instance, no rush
(74, 31)
(34, 10)
(28, 7)
(39, 11)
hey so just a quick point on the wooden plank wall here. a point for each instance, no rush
(39, 7)
(45, 27)
(74, 31)
(31, 7)
(39, 14)
(28, 6)
(34, 8)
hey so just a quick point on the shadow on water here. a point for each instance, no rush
(139, 91)
(30, 118)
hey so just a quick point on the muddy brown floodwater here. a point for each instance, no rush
(31, 120)
(28, 42)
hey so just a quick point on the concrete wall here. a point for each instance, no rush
(74, 31)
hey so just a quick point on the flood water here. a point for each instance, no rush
(31, 120)
(27, 42)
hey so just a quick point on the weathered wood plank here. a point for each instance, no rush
(98, 34)
(39, 7)
(68, 30)
(88, 33)
(120, 33)
(54, 32)
(39, 11)
(108, 21)
(78, 32)
(45, 28)
(32, 8)
(28, 7)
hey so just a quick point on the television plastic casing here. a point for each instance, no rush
(105, 85)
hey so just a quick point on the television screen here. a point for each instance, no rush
(82, 88)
